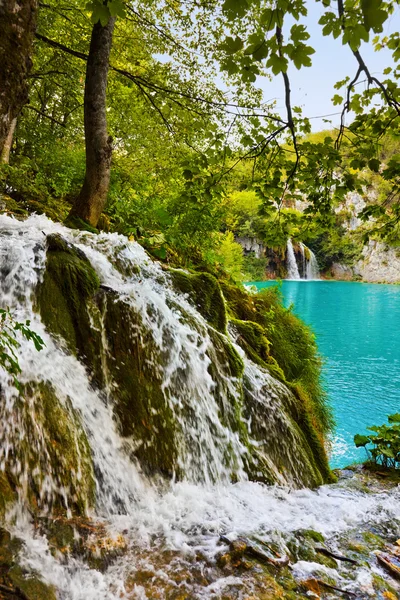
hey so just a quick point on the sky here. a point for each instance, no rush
(312, 87)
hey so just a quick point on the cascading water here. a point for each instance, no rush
(312, 269)
(158, 518)
(308, 262)
(291, 264)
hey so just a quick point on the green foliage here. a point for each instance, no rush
(386, 443)
(336, 245)
(228, 256)
(9, 344)
(103, 11)
(254, 269)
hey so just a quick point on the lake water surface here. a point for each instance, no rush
(358, 333)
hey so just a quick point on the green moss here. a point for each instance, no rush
(205, 293)
(7, 493)
(253, 340)
(274, 338)
(382, 585)
(136, 369)
(69, 282)
(227, 366)
(373, 541)
(26, 584)
(30, 585)
(11, 207)
(240, 304)
(313, 535)
(226, 356)
(54, 438)
(74, 222)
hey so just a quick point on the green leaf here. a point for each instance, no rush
(235, 8)
(100, 13)
(117, 8)
(268, 19)
(387, 452)
(361, 440)
(374, 164)
(373, 15)
(300, 55)
(232, 45)
(277, 64)
(298, 33)
(394, 418)
(337, 100)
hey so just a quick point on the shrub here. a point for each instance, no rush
(385, 441)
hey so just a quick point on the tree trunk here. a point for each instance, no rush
(91, 200)
(17, 27)
(5, 153)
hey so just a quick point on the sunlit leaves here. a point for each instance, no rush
(374, 15)
(232, 45)
(103, 12)
(278, 64)
(331, 24)
(298, 33)
(336, 100)
(235, 8)
(300, 55)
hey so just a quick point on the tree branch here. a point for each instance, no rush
(43, 114)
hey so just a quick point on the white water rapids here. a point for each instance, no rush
(185, 516)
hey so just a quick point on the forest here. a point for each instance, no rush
(194, 347)
(160, 131)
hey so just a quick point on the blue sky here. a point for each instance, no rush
(312, 88)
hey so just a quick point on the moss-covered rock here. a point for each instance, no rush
(8, 494)
(68, 284)
(282, 451)
(82, 538)
(204, 292)
(9, 206)
(239, 303)
(54, 451)
(74, 222)
(135, 366)
(251, 337)
(131, 365)
(19, 581)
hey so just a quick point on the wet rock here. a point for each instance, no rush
(204, 292)
(51, 448)
(83, 538)
(16, 582)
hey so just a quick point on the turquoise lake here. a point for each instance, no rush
(358, 333)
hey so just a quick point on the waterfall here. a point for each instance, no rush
(170, 526)
(308, 267)
(312, 269)
(291, 264)
(303, 266)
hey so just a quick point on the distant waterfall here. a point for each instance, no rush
(312, 269)
(302, 266)
(292, 268)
